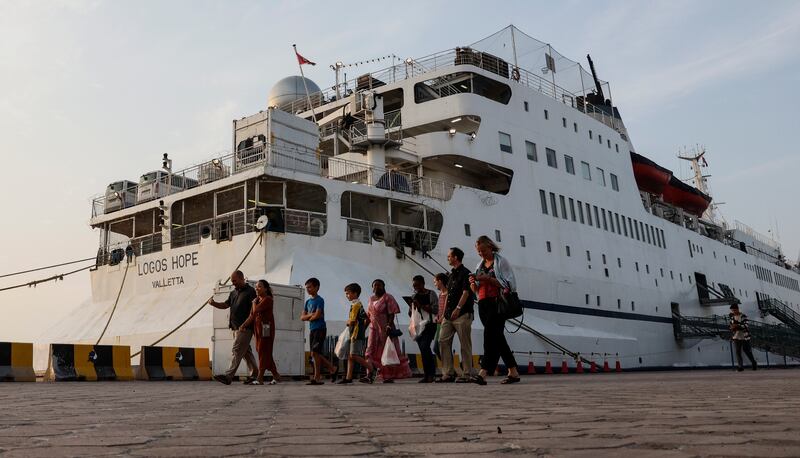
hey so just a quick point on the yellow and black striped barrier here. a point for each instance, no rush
(78, 362)
(16, 362)
(174, 363)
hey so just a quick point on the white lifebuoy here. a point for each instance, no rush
(515, 74)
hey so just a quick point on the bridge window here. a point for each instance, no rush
(461, 83)
(395, 222)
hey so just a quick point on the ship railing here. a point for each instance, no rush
(221, 228)
(299, 160)
(396, 235)
(411, 68)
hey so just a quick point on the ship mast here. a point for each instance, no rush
(696, 159)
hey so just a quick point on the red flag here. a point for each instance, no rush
(302, 60)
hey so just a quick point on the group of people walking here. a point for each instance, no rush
(442, 315)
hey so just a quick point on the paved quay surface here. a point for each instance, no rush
(672, 414)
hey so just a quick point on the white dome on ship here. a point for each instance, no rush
(290, 89)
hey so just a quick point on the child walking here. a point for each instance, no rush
(357, 322)
(314, 313)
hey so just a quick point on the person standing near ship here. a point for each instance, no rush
(314, 313)
(493, 277)
(426, 303)
(240, 301)
(262, 320)
(741, 336)
(457, 319)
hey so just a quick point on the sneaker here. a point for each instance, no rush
(249, 380)
(222, 379)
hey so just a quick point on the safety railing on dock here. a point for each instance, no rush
(775, 338)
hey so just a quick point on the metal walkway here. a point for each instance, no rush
(780, 311)
(774, 338)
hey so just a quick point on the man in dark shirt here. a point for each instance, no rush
(457, 319)
(240, 301)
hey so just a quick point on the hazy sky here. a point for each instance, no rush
(92, 92)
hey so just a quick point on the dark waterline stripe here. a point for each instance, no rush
(594, 312)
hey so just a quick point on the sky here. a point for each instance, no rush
(95, 91)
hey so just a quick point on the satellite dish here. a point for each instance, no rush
(262, 222)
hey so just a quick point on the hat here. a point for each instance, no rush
(734, 306)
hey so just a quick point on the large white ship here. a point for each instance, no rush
(378, 176)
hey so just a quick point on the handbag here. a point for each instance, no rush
(266, 330)
(509, 306)
(395, 330)
(342, 344)
(419, 324)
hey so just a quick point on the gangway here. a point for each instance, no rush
(781, 311)
(774, 338)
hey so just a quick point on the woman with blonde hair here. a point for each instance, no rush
(493, 277)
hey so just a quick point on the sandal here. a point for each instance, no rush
(509, 380)
(478, 380)
(272, 382)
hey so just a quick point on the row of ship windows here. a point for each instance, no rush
(775, 278)
(568, 252)
(761, 273)
(575, 128)
(552, 161)
(606, 219)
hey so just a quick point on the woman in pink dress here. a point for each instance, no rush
(381, 311)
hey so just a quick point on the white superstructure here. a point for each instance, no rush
(402, 164)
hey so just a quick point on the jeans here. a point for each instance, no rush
(495, 345)
(744, 345)
(424, 342)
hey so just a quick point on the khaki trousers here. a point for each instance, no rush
(241, 349)
(463, 327)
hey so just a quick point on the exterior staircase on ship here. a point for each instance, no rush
(779, 339)
(781, 311)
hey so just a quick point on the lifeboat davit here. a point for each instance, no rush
(686, 197)
(650, 177)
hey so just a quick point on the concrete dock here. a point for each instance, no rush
(673, 414)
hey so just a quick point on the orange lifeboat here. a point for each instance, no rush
(686, 197)
(650, 177)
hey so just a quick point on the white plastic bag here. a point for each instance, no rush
(343, 344)
(416, 326)
(390, 356)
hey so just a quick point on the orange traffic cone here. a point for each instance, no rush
(548, 366)
(605, 364)
(531, 367)
(579, 365)
(564, 367)
(618, 365)
(593, 366)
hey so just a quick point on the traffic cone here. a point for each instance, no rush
(548, 366)
(605, 364)
(531, 367)
(578, 365)
(593, 366)
(618, 365)
(564, 367)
